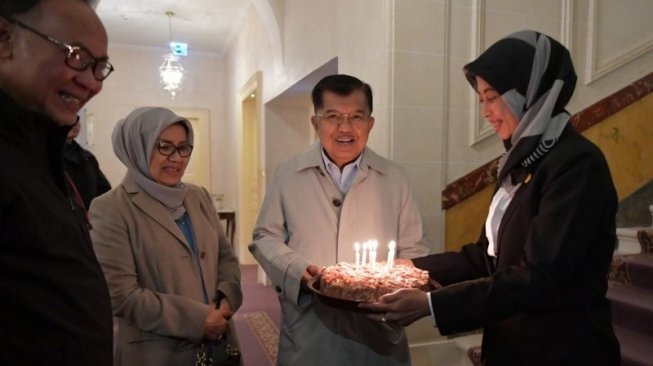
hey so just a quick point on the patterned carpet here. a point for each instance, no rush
(265, 331)
(258, 320)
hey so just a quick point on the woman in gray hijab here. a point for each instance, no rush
(173, 276)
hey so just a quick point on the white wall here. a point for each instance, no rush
(611, 45)
(288, 131)
(419, 96)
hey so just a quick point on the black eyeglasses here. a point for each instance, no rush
(335, 118)
(77, 58)
(168, 148)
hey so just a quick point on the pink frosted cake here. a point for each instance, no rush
(367, 284)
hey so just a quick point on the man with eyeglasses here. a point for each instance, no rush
(316, 207)
(55, 307)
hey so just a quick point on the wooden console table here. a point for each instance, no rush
(229, 216)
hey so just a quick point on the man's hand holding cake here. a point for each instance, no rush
(311, 271)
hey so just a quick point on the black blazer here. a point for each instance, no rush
(543, 301)
(55, 307)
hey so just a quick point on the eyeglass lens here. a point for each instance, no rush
(168, 149)
(337, 117)
(79, 59)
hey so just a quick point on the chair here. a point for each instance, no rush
(230, 228)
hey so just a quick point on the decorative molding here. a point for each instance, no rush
(446, 82)
(253, 85)
(440, 234)
(595, 70)
(479, 129)
(567, 26)
(473, 182)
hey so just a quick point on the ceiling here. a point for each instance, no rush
(206, 25)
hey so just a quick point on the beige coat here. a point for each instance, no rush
(155, 284)
(299, 224)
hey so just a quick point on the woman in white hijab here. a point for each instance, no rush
(173, 277)
(536, 279)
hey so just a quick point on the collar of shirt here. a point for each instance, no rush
(500, 202)
(344, 179)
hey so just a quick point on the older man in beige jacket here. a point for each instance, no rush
(318, 204)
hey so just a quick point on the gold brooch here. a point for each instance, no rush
(528, 178)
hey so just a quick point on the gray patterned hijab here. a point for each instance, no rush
(134, 138)
(535, 76)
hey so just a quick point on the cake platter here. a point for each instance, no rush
(345, 304)
(336, 302)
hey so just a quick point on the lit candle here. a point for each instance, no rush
(391, 254)
(357, 248)
(364, 258)
(373, 245)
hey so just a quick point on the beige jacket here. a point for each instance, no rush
(304, 219)
(155, 284)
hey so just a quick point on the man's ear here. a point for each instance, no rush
(314, 122)
(6, 38)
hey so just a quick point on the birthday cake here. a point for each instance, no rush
(368, 283)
